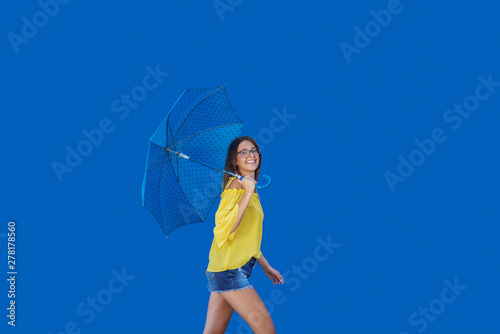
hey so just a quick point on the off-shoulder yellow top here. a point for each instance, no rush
(230, 251)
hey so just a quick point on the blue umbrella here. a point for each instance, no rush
(178, 189)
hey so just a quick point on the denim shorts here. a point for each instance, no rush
(231, 279)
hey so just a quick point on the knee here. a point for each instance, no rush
(266, 328)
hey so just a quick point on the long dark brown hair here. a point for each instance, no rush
(231, 159)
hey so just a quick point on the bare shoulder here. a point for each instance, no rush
(235, 185)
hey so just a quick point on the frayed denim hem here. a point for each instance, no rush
(243, 288)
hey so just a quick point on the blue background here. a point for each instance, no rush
(352, 118)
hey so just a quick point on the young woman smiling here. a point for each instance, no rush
(236, 245)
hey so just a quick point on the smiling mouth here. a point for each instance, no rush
(251, 162)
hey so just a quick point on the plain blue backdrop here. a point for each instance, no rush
(360, 83)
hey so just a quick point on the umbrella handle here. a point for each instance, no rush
(258, 186)
(265, 185)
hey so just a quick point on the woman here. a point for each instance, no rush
(236, 245)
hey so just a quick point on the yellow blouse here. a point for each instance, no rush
(230, 251)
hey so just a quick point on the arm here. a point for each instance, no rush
(272, 273)
(229, 215)
(263, 263)
(242, 206)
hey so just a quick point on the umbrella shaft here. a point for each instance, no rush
(182, 155)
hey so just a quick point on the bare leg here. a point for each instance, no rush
(219, 314)
(251, 308)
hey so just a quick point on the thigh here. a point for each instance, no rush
(251, 308)
(218, 314)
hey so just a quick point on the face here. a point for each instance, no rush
(251, 161)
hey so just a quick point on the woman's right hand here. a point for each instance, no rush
(248, 183)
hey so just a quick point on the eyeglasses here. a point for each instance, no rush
(244, 153)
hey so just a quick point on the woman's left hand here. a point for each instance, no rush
(274, 275)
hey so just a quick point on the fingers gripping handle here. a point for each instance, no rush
(258, 186)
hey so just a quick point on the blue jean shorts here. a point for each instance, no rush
(231, 279)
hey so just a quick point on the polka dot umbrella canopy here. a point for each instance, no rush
(178, 189)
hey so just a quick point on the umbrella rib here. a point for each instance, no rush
(177, 179)
(156, 158)
(185, 194)
(166, 129)
(169, 128)
(168, 115)
(187, 116)
(159, 186)
(215, 127)
(192, 136)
